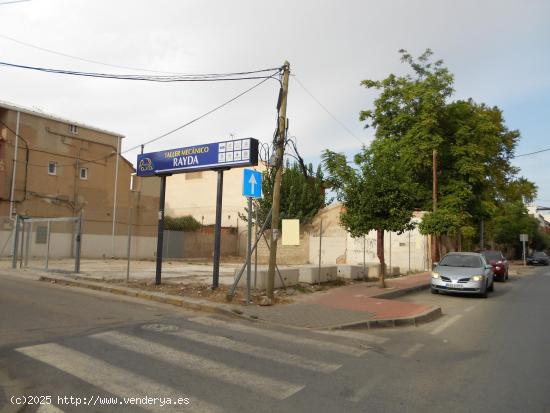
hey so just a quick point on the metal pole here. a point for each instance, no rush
(48, 245)
(23, 239)
(28, 244)
(217, 232)
(160, 230)
(256, 250)
(114, 199)
(409, 251)
(482, 234)
(391, 268)
(78, 244)
(249, 250)
(524, 255)
(15, 241)
(320, 239)
(129, 244)
(364, 258)
(15, 156)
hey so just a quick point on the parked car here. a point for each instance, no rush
(499, 263)
(538, 258)
(463, 272)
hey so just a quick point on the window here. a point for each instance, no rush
(52, 168)
(83, 173)
(73, 129)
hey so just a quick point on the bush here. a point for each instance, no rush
(185, 223)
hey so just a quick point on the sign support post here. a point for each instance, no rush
(160, 230)
(217, 232)
(249, 251)
(524, 238)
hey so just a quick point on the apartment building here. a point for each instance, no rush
(55, 167)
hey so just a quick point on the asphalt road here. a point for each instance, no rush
(483, 355)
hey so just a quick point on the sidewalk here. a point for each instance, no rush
(356, 305)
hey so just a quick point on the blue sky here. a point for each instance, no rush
(498, 51)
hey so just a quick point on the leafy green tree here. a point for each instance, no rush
(376, 193)
(183, 223)
(302, 194)
(414, 114)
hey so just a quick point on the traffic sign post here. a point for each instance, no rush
(524, 238)
(252, 188)
(219, 156)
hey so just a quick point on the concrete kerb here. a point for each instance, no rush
(402, 291)
(187, 303)
(424, 317)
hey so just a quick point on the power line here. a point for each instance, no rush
(11, 2)
(328, 111)
(198, 117)
(97, 62)
(532, 153)
(211, 77)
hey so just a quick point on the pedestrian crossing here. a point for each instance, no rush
(90, 363)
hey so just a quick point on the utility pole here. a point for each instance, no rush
(435, 252)
(277, 182)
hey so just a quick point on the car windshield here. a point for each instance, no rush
(539, 254)
(492, 255)
(456, 260)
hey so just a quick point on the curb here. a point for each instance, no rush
(402, 291)
(187, 303)
(425, 317)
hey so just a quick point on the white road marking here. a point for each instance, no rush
(446, 324)
(412, 350)
(467, 310)
(265, 385)
(111, 379)
(258, 352)
(355, 334)
(48, 408)
(363, 392)
(276, 335)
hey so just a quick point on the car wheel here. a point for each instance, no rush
(506, 276)
(483, 294)
(434, 291)
(491, 288)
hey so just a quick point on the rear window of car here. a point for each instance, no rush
(492, 255)
(539, 254)
(470, 261)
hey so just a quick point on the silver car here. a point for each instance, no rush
(463, 272)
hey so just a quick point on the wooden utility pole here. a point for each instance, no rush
(279, 152)
(435, 251)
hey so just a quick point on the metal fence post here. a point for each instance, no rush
(15, 242)
(48, 244)
(78, 244)
(320, 239)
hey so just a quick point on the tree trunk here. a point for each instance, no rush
(380, 253)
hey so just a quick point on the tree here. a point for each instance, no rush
(414, 114)
(302, 195)
(376, 194)
(183, 223)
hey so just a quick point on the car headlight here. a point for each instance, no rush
(435, 275)
(477, 278)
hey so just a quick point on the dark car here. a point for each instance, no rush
(499, 263)
(538, 258)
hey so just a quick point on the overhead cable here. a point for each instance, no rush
(209, 77)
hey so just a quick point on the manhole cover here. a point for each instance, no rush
(160, 327)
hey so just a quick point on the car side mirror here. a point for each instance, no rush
(488, 267)
(435, 264)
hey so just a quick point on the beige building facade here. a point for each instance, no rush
(53, 167)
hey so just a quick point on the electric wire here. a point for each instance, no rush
(532, 153)
(198, 117)
(211, 77)
(328, 111)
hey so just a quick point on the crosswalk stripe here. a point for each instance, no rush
(48, 408)
(276, 335)
(113, 380)
(265, 385)
(364, 337)
(258, 352)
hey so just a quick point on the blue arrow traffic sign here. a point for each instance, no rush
(252, 183)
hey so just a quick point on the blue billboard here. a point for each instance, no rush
(219, 155)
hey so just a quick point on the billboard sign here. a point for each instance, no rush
(219, 155)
